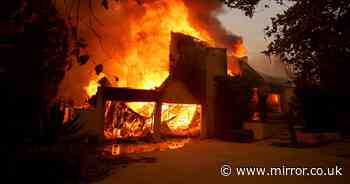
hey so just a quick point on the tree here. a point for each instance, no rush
(35, 56)
(313, 36)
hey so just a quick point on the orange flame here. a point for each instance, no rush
(182, 114)
(145, 66)
(91, 89)
(239, 50)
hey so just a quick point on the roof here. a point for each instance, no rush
(174, 91)
(261, 78)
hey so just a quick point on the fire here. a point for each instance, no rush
(273, 101)
(239, 50)
(145, 64)
(179, 115)
(91, 89)
(148, 57)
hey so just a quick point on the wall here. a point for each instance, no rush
(195, 64)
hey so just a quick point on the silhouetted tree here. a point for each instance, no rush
(313, 36)
(34, 61)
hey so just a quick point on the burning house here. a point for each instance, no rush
(275, 93)
(158, 79)
(184, 103)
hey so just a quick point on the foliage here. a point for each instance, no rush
(317, 107)
(311, 36)
(42, 49)
(248, 6)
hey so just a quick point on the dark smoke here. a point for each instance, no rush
(203, 14)
(109, 38)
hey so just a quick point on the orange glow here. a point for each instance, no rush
(143, 108)
(233, 68)
(123, 149)
(145, 66)
(178, 116)
(91, 89)
(273, 100)
(239, 50)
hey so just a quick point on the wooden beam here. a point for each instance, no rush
(157, 121)
(130, 95)
(100, 111)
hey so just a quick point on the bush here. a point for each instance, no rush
(318, 108)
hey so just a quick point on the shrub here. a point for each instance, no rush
(318, 108)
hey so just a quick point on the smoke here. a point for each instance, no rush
(109, 39)
(125, 39)
(203, 14)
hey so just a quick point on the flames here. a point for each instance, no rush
(146, 61)
(144, 64)
(91, 89)
(179, 116)
(239, 50)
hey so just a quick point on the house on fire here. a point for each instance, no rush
(277, 91)
(193, 69)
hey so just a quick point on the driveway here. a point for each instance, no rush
(200, 162)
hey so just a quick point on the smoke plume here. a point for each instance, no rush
(131, 39)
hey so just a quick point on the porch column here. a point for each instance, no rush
(157, 120)
(100, 110)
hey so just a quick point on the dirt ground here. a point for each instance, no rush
(200, 162)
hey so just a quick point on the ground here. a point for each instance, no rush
(200, 162)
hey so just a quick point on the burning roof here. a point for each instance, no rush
(133, 40)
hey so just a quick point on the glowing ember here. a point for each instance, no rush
(178, 116)
(143, 108)
(273, 101)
